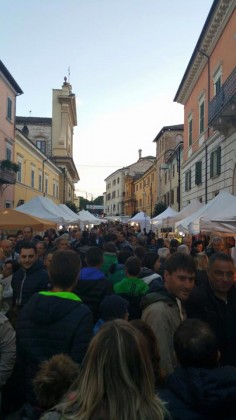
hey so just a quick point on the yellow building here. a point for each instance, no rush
(37, 174)
(145, 189)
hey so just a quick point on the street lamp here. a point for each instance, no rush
(150, 189)
(167, 157)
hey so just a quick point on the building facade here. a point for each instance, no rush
(169, 142)
(145, 190)
(9, 90)
(208, 93)
(115, 197)
(37, 174)
(54, 138)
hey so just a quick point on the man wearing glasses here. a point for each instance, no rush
(215, 303)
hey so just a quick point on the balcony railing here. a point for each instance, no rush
(8, 171)
(224, 103)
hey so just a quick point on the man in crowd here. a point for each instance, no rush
(30, 278)
(53, 322)
(6, 252)
(27, 237)
(199, 389)
(214, 302)
(92, 285)
(164, 310)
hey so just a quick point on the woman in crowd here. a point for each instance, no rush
(201, 260)
(116, 381)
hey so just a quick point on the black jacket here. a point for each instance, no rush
(204, 305)
(27, 282)
(92, 286)
(49, 325)
(201, 394)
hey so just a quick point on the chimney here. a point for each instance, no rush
(139, 153)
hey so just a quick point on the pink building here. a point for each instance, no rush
(9, 89)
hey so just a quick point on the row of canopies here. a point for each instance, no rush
(218, 216)
(43, 212)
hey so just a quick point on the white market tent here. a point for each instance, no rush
(186, 211)
(169, 212)
(86, 218)
(222, 219)
(45, 208)
(71, 214)
(194, 223)
(142, 219)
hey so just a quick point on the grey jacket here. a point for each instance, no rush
(7, 349)
(163, 313)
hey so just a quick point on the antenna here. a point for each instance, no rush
(69, 74)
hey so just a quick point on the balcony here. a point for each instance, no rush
(222, 108)
(8, 171)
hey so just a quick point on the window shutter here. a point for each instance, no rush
(186, 181)
(219, 160)
(211, 165)
(198, 173)
(189, 179)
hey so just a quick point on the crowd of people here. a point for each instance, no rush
(116, 324)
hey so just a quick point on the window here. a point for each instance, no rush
(57, 191)
(172, 197)
(54, 189)
(173, 171)
(32, 178)
(188, 180)
(198, 173)
(168, 199)
(217, 80)
(8, 153)
(19, 173)
(40, 182)
(113, 194)
(190, 130)
(215, 162)
(108, 196)
(114, 207)
(136, 187)
(9, 109)
(166, 177)
(8, 204)
(201, 115)
(46, 186)
(41, 145)
(118, 180)
(140, 202)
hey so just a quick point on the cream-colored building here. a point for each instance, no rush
(37, 174)
(168, 165)
(54, 138)
(115, 185)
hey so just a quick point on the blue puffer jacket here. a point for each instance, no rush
(51, 323)
(201, 394)
(27, 282)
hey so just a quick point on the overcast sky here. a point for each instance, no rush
(126, 58)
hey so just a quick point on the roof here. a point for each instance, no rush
(178, 127)
(197, 47)
(10, 79)
(33, 120)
